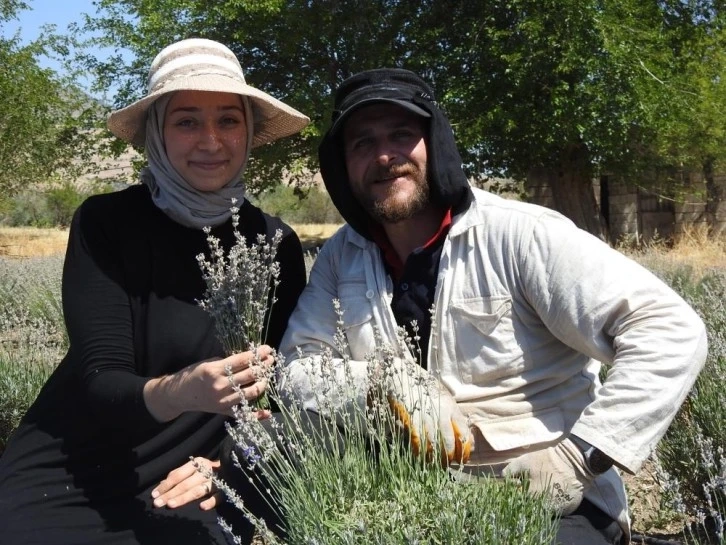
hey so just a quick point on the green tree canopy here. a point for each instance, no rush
(45, 120)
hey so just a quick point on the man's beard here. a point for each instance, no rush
(389, 209)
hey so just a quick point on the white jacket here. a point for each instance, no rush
(526, 307)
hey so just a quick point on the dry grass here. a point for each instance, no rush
(31, 241)
(693, 248)
(314, 234)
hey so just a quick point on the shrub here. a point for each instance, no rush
(49, 207)
(295, 205)
(336, 489)
(27, 209)
(61, 203)
(693, 452)
(33, 338)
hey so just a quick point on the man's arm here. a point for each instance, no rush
(317, 371)
(608, 307)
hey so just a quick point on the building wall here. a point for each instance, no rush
(635, 213)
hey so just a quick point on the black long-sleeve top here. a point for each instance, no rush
(88, 451)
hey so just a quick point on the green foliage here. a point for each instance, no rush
(46, 120)
(298, 206)
(26, 208)
(49, 207)
(62, 203)
(19, 386)
(32, 334)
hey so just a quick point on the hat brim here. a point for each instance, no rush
(343, 117)
(273, 119)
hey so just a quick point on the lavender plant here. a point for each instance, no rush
(239, 286)
(692, 453)
(33, 338)
(364, 484)
(240, 289)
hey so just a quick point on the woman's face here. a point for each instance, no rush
(205, 134)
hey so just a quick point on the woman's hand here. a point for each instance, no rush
(186, 484)
(206, 386)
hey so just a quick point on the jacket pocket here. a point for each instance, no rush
(357, 318)
(523, 431)
(485, 344)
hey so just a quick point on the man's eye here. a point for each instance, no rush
(361, 143)
(403, 134)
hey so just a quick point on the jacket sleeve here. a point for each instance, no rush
(318, 372)
(99, 322)
(607, 306)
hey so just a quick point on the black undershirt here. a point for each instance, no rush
(414, 285)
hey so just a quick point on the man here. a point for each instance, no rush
(525, 307)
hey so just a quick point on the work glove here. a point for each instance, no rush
(427, 412)
(558, 471)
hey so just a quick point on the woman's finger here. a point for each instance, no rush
(211, 502)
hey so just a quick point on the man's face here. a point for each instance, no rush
(385, 154)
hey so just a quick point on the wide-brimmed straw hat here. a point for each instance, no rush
(204, 65)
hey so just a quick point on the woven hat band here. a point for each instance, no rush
(197, 63)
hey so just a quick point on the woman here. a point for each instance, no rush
(103, 455)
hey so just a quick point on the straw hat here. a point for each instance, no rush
(204, 65)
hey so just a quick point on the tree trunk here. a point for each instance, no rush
(714, 198)
(572, 192)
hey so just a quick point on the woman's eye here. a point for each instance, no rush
(185, 123)
(230, 121)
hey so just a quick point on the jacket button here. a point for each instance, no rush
(369, 294)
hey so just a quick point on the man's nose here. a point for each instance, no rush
(385, 153)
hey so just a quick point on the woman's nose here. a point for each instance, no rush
(209, 139)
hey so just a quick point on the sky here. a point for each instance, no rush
(58, 12)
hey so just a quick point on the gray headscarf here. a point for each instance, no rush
(172, 193)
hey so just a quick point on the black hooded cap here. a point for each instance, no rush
(448, 184)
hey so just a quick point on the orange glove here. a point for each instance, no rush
(426, 410)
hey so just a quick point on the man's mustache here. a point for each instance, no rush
(395, 171)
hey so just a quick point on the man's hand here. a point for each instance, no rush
(427, 412)
(186, 484)
(559, 470)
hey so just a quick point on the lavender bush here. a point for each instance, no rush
(692, 453)
(331, 489)
(33, 338)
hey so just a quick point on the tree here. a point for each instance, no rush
(558, 89)
(45, 120)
